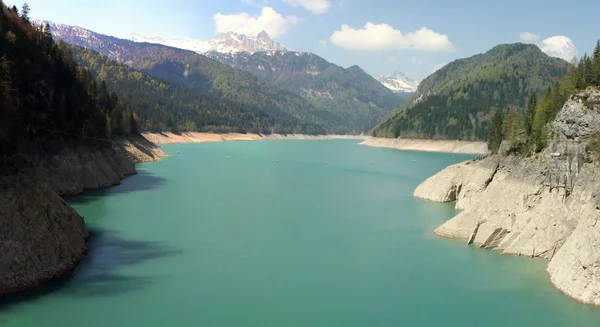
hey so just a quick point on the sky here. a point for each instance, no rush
(381, 36)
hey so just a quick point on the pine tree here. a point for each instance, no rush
(25, 12)
(495, 137)
(596, 65)
(530, 113)
(508, 124)
(588, 73)
(47, 31)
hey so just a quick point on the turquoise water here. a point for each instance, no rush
(200, 240)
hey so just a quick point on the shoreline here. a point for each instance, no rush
(442, 146)
(425, 145)
(506, 205)
(202, 137)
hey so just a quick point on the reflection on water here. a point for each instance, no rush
(100, 273)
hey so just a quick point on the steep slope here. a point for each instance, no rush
(229, 42)
(545, 206)
(166, 106)
(353, 97)
(456, 101)
(57, 137)
(398, 82)
(200, 73)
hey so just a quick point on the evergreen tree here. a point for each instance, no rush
(46, 31)
(530, 113)
(495, 137)
(596, 65)
(25, 12)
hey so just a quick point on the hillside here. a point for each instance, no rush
(60, 133)
(352, 96)
(163, 105)
(202, 74)
(457, 101)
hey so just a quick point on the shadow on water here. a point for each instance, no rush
(100, 272)
(142, 181)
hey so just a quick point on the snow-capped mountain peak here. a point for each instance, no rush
(398, 82)
(229, 42)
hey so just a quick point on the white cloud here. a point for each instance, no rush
(393, 59)
(376, 37)
(323, 43)
(438, 67)
(269, 21)
(416, 61)
(315, 6)
(529, 37)
(249, 2)
(559, 46)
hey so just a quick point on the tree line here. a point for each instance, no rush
(45, 94)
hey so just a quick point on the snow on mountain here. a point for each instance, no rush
(230, 43)
(398, 82)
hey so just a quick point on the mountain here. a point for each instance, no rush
(203, 74)
(60, 133)
(321, 95)
(398, 82)
(354, 97)
(229, 42)
(163, 105)
(457, 101)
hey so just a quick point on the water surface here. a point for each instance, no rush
(201, 240)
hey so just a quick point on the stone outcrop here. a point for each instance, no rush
(579, 118)
(546, 206)
(41, 236)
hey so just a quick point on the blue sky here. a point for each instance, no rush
(381, 36)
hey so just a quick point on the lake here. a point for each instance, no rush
(273, 236)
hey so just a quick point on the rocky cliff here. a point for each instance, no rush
(41, 236)
(545, 206)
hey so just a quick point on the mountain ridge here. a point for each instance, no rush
(300, 84)
(228, 42)
(457, 101)
(398, 82)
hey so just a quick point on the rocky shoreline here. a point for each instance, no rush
(41, 237)
(546, 206)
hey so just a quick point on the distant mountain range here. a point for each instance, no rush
(458, 100)
(225, 47)
(398, 82)
(302, 85)
(229, 43)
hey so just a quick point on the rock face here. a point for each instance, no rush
(546, 206)
(579, 117)
(41, 236)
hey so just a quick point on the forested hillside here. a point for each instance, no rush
(353, 97)
(459, 100)
(202, 74)
(163, 105)
(45, 95)
(528, 132)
